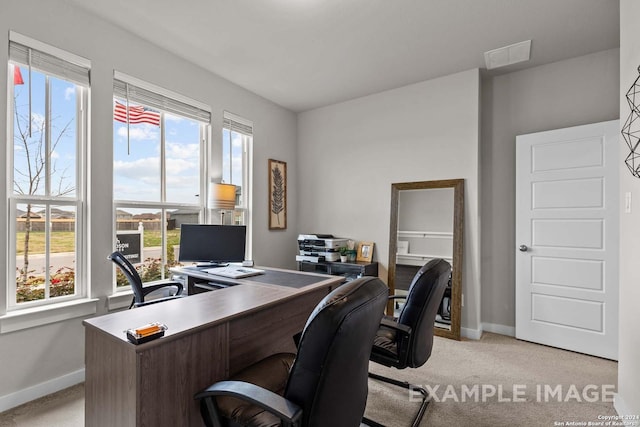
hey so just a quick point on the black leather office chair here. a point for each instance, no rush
(406, 341)
(325, 384)
(140, 290)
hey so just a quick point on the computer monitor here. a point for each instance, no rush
(211, 244)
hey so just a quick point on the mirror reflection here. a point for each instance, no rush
(426, 223)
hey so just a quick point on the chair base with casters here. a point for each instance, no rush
(324, 384)
(140, 289)
(406, 341)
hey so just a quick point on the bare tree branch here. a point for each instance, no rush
(29, 180)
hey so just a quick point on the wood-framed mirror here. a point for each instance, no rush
(427, 221)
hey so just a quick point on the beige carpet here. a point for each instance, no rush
(482, 373)
(62, 409)
(495, 362)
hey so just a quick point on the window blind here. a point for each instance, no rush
(48, 63)
(136, 94)
(237, 124)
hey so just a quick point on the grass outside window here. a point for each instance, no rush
(64, 241)
(63, 279)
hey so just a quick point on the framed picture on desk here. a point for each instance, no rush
(365, 251)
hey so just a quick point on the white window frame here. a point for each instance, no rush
(50, 61)
(164, 100)
(37, 313)
(236, 123)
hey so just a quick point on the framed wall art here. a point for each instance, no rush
(277, 195)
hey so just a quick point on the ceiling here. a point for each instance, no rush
(304, 54)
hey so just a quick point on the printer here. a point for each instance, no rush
(319, 247)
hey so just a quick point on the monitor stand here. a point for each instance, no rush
(211, 264)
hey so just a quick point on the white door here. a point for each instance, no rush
(567, 238)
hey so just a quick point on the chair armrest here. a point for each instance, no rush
(391, 297)
(287, 411)
(403, 337)
(402, 329)
(149, 287)
(155, 300)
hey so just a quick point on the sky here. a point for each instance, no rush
(63, 123)
(136, 160)
(137, 167)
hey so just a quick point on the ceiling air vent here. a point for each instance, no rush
(512, 54)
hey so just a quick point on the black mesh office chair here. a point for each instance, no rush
(406, 341)
(325, 384)
(140, 290)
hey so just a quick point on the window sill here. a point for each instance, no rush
(119, 300)
(44, 315)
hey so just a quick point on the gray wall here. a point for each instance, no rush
(627, 400)
(350, 153)
(562, 94)
(429, 210)
(426, 210)
(34, 360)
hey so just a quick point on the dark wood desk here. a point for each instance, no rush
(210, 336)
(349, 270)
(198, 280)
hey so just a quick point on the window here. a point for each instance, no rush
(237, 139)
(47, 125)
(159, 173)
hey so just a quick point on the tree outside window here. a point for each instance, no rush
(47, 123)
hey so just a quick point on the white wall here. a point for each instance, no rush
(350, 153)
(627, 400)
(566, 93)
(34, 356)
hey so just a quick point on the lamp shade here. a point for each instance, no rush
(223, 196)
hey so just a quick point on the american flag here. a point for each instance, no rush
(137, 114)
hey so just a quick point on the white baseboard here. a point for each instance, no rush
(472, 334)
(495, 328)
(39, 390)
(476, 334)
(620, 406)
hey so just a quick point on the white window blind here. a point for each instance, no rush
(237, 123)
(162, 101)
(48, 63)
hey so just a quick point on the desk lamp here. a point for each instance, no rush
(223, 198)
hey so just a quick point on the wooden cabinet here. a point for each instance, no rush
(349, 270)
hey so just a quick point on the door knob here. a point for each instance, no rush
(523, 248)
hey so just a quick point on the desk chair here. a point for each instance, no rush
(140, 290)
(325, 384)
(407, 341)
